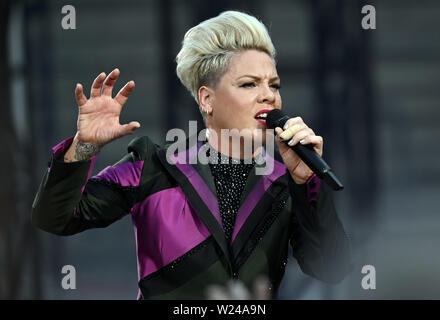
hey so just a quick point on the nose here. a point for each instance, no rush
(267, 95)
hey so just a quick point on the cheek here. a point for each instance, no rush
(235, 109)
(235, 106)
(226, 108)
(279, 101)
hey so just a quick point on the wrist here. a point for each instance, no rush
(86, 150)
(302, 180)
(81, 151)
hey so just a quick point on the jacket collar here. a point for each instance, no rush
(197, 182)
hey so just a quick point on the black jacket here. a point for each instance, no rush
(181, 247)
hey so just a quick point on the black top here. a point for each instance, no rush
(230, 176)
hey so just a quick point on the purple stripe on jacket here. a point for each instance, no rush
(202, 189)
(256, 194)
(166, 227)
(313, 186)
(182, 161)
(61, 147)
(124, 174)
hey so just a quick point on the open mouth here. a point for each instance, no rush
(261, 116)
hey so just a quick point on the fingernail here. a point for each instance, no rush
(290, 142)
(286, 126)
(302, 141)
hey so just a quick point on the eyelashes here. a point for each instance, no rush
(252, 84)
(248, 85)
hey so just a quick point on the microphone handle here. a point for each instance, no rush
(308, 155)
(317, 165)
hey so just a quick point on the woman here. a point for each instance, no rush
(201, 224)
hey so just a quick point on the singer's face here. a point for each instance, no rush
(246, 91)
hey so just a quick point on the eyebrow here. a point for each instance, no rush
(257, 78)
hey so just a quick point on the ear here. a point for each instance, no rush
(206, 95)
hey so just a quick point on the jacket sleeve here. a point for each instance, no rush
(69, 200)
(319, 241)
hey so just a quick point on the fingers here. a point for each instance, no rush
(79, 95)
(96, 86)
(312, 139)
(307, 136)
(291, 127)
(291, 131)
(296, 131)
(103, 85)
(110, 82)
(300, 135)
(128, 128)
(123, 94)
(292, 121)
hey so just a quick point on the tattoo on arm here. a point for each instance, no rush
(84, 151)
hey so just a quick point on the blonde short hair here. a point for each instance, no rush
(208, 47)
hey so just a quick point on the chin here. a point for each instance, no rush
(259, 137)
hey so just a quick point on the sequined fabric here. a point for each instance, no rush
(230, 176)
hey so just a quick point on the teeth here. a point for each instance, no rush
(262, 116)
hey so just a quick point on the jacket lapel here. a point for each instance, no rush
(258, 197)
(197, 183)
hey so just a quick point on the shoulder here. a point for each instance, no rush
(143, 150)
(142, 147)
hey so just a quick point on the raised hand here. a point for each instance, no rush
(98, 118)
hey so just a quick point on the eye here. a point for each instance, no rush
(276, 86)
(248, 85)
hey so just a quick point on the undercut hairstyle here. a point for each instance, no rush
(207, 48)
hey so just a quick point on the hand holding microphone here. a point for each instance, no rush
(294, 135)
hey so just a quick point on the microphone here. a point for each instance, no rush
(276, 118)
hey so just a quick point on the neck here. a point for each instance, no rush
(236, 147)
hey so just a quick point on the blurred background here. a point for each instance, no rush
(372, 94)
